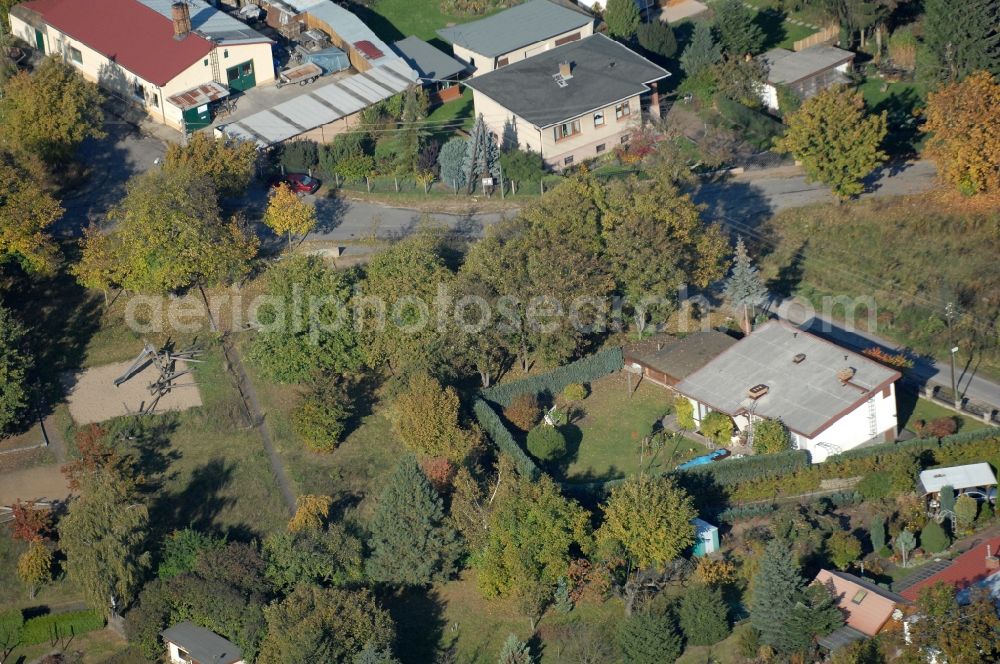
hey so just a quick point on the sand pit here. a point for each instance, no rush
(94, 398)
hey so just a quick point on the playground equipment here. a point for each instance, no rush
(165, 361)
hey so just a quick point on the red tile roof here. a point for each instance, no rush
(136, 37)
(966, 570)
(867, 606)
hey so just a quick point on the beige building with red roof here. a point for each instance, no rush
(174, 59)
(868, 609)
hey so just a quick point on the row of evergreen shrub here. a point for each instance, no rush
(583, 370)
(734, 471)
(494, 427)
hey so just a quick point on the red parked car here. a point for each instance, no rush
(300, 183)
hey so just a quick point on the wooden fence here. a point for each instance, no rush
(828, 33)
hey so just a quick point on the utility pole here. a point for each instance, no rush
(949, 313)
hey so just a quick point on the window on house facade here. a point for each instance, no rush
(601, 148)
(624, 139)
(138, 91)
(568, 160)
(205, 62)
(623, 110)
(503, 62)
(566, 129)
(567, 39)
(599, 119)
(225, 53)
(76, 55)
(154, 100)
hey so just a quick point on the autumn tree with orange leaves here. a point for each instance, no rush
(963, 120)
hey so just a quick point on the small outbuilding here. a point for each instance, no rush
(667, 360)
(435, 68)
(706, 538)
(805, 73)
(188, 643)
(959, 478)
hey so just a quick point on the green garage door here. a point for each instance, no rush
(241, 77)
(40, 41)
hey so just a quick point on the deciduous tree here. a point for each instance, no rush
(320, 418)
(311, 512)
(98, 265)
(426, 418)
(933, 538)
(308, 332)
(531, 539)
(228, 164)
(15, 364)
(288, 214)
(961, 634)
(411, 543)
(324, 625)
(836, 140)
(963, 120)
(27, 210)
(30, 524)
(104, 535)
(332, 557)
(844, 548)
(170, 235)
(622, 17)
(49, 112)
(966, 510)
(34, 567)
(649, 520)
(182, 549)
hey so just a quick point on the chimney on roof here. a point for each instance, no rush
(566, 70)
(181, 15)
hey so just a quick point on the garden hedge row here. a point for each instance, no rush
(583, 370)
(47, 628)
(491, 423)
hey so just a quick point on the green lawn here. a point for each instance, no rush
(605, 443)
(394, 19)
(912, 410)
(448, 118)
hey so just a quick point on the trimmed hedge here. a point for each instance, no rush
(735, 471)
(583, 370)
(53, 626)
(491, 423)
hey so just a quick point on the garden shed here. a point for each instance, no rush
(666, 360)
(706, 538)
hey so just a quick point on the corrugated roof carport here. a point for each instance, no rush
(323, 105)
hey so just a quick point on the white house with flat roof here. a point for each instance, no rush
(830, 398)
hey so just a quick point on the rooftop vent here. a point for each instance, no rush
(846, 374)
(757, 391)
(799, 358)
(560, 81)
(566, 70)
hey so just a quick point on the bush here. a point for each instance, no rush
(717, 427)
(685, 413)
(933, 538)
(576, 392)
(844, 548)
(875, 486)
(450, 160)
(521, 165)
(770, 437)
(51, 626)
(942, 426)
(321, 417)
(546, 443)
(299, 155)
(657, 38)
(758, 127)
(524, 412)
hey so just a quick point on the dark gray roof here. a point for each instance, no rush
(426, 60)
(679, 358)
(839, 638)
(807, 395)
(203, 645)
(603, 72)
(785, 66)
(509, 30)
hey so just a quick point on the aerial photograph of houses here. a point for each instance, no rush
(499, 331)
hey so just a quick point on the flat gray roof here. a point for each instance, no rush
(808, 395)
(509, 30)
(203, 645)
(679, 358)
(786, 66)
(209, 21)
(323, 105)
(427, 61)
(603, 72)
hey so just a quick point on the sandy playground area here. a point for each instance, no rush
(93, 396)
